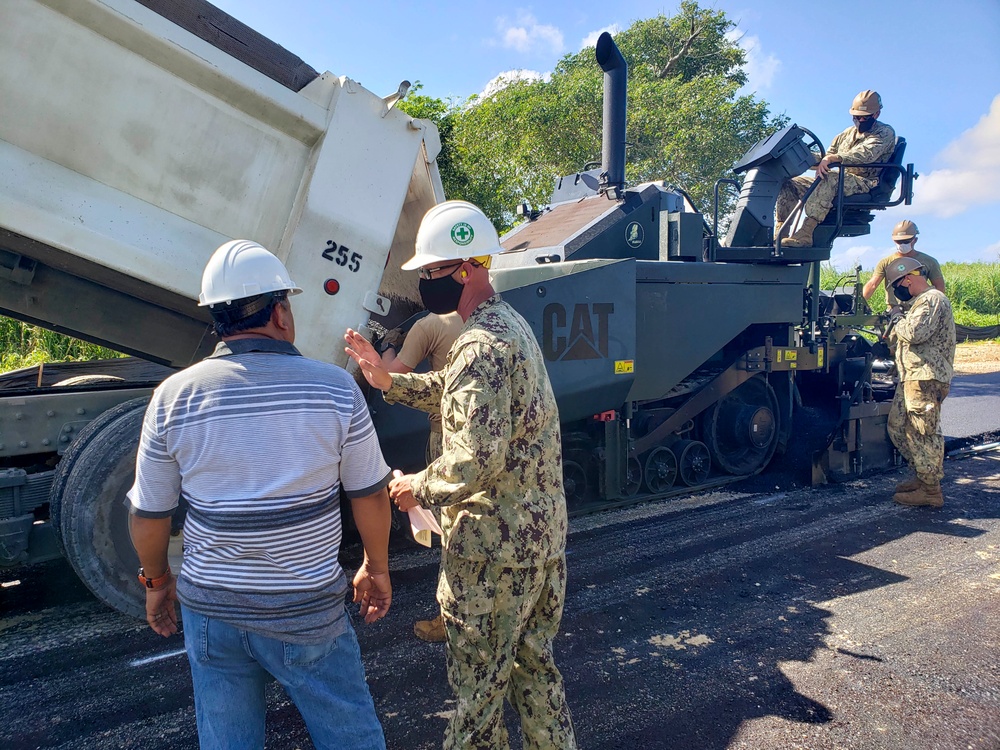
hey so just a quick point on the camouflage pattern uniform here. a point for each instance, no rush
(933, 274)
(503, 565)
(924, 342)
(853, 147)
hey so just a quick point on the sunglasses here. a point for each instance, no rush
(428, 273)
(862, 118)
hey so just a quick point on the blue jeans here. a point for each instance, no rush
(231, 667)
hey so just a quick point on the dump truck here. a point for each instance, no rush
(136, 138)
(679, 353)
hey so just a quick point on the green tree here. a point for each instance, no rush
(443, 114)
(687, 122)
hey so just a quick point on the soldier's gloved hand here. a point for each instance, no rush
(895, 315)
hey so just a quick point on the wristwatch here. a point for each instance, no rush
(152, 583)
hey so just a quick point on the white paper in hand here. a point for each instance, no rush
(422, 524)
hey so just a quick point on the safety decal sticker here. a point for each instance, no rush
(462, 234)
(633, 234)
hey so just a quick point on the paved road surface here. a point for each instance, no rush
(973, 406)
(799, 618)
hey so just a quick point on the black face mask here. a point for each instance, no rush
(441, 296)
(866, 125)
(902, 293)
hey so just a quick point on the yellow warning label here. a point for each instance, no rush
(819, 357)
(779, 354)
(791, 355)
(623, 366)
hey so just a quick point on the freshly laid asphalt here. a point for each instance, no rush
(972, 406)
(775, 618)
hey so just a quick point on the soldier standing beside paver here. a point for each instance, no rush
(904, 234)
(924, 344)
(499, 483)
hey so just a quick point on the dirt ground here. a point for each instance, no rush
(977, 357)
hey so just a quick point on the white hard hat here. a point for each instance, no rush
(239, 269)
(453, 230)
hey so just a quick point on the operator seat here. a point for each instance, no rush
(858, 208)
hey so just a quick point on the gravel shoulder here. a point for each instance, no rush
(976, 357)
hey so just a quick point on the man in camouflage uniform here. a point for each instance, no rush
(499, 485)
(924, 344)
(904, 234)
(868, 141)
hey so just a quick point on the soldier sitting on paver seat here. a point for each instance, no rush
(868, 141)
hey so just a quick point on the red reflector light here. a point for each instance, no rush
(331, 286)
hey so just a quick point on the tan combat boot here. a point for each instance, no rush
(925, 494)
(908, 485)
(804, 236)
(431, 631)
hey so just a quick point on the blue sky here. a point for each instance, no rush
(936, 65)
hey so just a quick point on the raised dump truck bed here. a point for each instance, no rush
(136, 138)
(131, 148)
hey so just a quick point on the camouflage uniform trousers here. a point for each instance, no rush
(818, 204)
(915, 427)
(500, 623)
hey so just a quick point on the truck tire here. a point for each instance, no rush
(89, 490)
(70, 457)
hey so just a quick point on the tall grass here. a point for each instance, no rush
(973, 288)
(23, 345)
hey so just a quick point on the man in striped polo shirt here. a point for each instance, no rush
(260, 441)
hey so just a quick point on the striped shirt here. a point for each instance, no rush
(259, 445)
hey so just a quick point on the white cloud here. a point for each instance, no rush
(760, 67)
(845, 258)
(527, 36)
(505, 79)
(968, 177)
(991, 254)
(591, 39)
